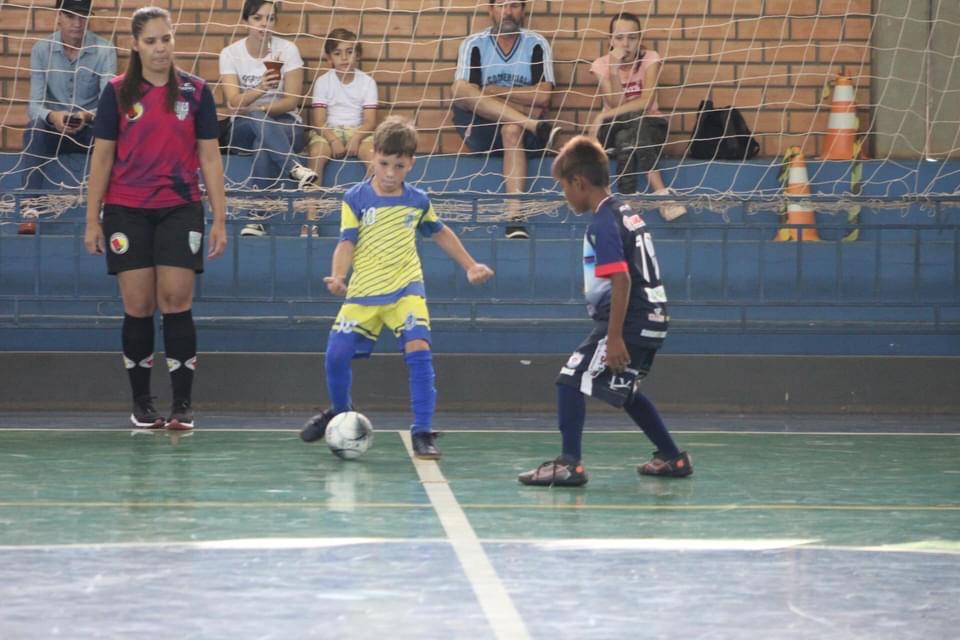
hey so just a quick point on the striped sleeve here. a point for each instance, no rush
(349, 223)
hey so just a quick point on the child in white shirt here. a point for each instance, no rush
(344, 105)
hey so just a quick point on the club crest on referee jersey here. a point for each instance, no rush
(119, 243)
(182, 109)
(194, 238)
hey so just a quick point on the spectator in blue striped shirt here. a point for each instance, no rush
(501, 93)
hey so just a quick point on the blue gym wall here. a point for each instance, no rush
(895, 290)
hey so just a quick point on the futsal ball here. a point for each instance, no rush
(349, 435)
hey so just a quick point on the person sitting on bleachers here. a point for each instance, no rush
(630, 123)
(502, 90)
(344, 111)
(262, 77)
(68, 71)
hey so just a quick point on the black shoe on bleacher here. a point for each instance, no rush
(424, 445)
(517, 232)
(555, 473)
(181, 416)
(145, 415)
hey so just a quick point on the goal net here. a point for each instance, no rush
(776, 61)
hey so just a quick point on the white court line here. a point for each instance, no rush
(948, 547)
(679, 544)
(121, 429)
(494, 599)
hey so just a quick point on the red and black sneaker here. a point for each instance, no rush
(145, 415)
(181, 415)
(555, 473)
(677, 467)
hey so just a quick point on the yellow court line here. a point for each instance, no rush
(224, 504)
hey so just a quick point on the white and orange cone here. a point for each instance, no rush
(798, 184)
(842, 125)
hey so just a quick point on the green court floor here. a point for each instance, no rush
(108, 486)
(250, 533)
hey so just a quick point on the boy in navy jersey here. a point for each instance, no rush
(627, 302)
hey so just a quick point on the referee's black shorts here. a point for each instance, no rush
(143, 238)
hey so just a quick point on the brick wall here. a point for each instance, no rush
(768, 57)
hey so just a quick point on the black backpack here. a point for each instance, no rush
(722, 134)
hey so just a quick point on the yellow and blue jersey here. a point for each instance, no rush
(386, 265)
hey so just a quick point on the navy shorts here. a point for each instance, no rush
(586, 370)
(144, 238)
(482, 135)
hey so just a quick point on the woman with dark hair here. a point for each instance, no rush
(630, 122)
(262, 79)
(156, 127)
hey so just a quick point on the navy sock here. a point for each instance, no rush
(180, 344)
(339, 368)
(137, 342)
(423, 395)
(571, 413)
(645, 415)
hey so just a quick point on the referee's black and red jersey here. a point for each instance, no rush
(156, 163)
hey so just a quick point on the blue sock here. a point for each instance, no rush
(338, 365)
(645, 415)
(571, 413)
(423, 395)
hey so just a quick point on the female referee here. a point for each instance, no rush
(155, 126)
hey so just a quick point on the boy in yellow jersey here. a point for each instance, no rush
(378, 222)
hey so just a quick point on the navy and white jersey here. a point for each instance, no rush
(529, 62)
(617, 241)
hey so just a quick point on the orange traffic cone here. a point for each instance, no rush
(798, 185)
(842, 125)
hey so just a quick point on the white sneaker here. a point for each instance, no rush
(308, 230)
(670, 211)
(254, 230)
(303, 175)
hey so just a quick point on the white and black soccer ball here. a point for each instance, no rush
(349, 435)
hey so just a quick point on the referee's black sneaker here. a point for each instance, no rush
(316, 426)
(181, 416)
(555, 473)
(425, 445)
(145, 415)
(659, 465)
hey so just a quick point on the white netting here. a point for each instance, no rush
(770, 59)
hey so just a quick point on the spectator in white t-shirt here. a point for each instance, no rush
(344, 107)
(265, 101)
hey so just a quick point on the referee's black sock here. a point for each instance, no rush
(137, 344)
(180, 343)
